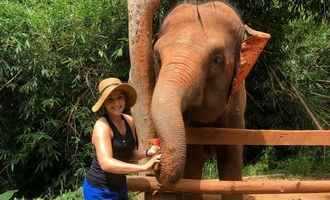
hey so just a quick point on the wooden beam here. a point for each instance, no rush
(138, 183)
(223, 136)
(295, 196)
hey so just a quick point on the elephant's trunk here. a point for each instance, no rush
(175, 85)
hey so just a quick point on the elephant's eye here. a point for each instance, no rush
(218, 60)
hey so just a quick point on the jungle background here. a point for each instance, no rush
(54, 52)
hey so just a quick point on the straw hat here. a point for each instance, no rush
(107, 86)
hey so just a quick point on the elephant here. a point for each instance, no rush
(191, 75)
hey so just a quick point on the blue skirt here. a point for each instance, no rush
(92, 192)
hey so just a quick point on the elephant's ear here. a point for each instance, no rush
(251, 48)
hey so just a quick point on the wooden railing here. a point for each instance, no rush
(225, 136)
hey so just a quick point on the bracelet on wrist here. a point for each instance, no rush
(147, 152)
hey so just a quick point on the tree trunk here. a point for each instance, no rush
(141, 74)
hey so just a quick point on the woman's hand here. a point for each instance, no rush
(150, 163)
(153, 150)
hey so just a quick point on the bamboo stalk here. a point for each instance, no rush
(11, 80)
(309, 112)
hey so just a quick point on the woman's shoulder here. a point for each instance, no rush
(101, 123)
(129, 119)
(101, 120)
(101, 130)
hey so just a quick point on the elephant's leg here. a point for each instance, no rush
(229, 163)
(194, 167)
(230, 157)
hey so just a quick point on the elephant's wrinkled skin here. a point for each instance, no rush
(202, 55)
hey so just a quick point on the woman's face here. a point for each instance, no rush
(115, 103)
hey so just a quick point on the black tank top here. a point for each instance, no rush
(122, 147)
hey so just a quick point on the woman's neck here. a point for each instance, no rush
(114, 117)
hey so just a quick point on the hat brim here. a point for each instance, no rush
(127, 89)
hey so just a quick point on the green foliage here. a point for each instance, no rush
(256, 169)
(210, 169)
(299, 44)
(78, 194)
(262, 166)
(52, 54)
(71, 195)
(307, 67)
(302, 166)
(308, 162)
(298, 68)
(7, 195)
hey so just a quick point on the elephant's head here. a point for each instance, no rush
(202, 55)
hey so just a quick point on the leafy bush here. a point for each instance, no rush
(307, 66)
(210, 169)
(52, 53)
(289, 89)
(7, 195)
(71, 195)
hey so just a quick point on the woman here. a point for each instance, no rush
(115, 143)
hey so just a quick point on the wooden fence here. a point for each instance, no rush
(225, 136)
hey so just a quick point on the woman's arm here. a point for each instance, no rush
(141, 152)
(101, 139)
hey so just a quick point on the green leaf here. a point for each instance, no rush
(7, 195)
